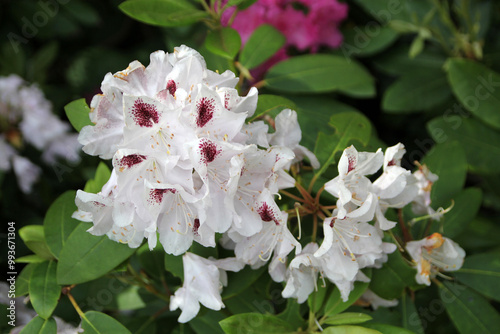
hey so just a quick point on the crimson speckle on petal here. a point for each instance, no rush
(205, 108)
(145, 114)
(352, 163)
(196, 226)
(266, 214)
(392, 163)
(157, 194)
(131, 160)
(171, 87)
(208, 151)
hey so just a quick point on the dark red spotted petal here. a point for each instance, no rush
(205, 109)
(171, 87)
(156, 195)
(196, 226)
(145, 114)
(266, 214)
(209, 151)
(131, 160)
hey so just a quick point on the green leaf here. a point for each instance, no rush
(482, 273)
(317, 299)
(85, 257)
(43, 288)
(411, 319)
(255, 323)
(465, 209)
(225, 42)
(357, 43)
(349, 126)
(387, 329)
(43, 59)
(240, 281)
(102, 175)
(173, 264)
(272, 104)
(163, 13)
(23, 280)
(469, 312)
(395, 61)
(480, 143)
(264, 42)
(152, 262)
(477, 87)
(208, 323)
(58, 223)
(34, 239)
(395, 275)
(100, 323)
(244, 4)
(448, 161)
(320, 73)
(33, 258)
(40, 326)
(349, 330)
(416, 91)
(292, 315)
(347, 318)
(78, 114)
(335, 304)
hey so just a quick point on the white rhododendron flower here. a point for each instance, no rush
(28, 118)
(185, 164)
(422, 202)
(203, 279)
(433, 254)
(375, 301)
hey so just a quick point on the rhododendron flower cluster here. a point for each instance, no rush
(26, 118)
(186, 166)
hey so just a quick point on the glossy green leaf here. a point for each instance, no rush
(480, 143)
(255, 323)
(395, 275)
(292, 315)
(395, 61)
(465, 209)
(264, 42)
(320, 73)
(102, 175)
(318, 298)
(34, 239)
(348, 126)
(85, 257)
(335, 304)
(100, 323)
(208, 323)
(349, 330)
(58, 223)
(78, 114)
(358, 43)
(43, 288)
(240, 281)
(347, 318)
(23, 280)
(164, 13)
(272, 104)
(152, 261)
(40, 326)
(244, 4)
(387, 329)
(448, 161)
(469, 311)
(416, 91)
(482, 273)
(409, 315)
(173, 264)
(225, 42)
(33, 258)
(482, 233)
(477, 87)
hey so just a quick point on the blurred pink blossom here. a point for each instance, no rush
(306, 24)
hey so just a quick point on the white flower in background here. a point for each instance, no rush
(375, 301)
(433, 254)
(422, 203)
(203, 281)
(26, 117)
